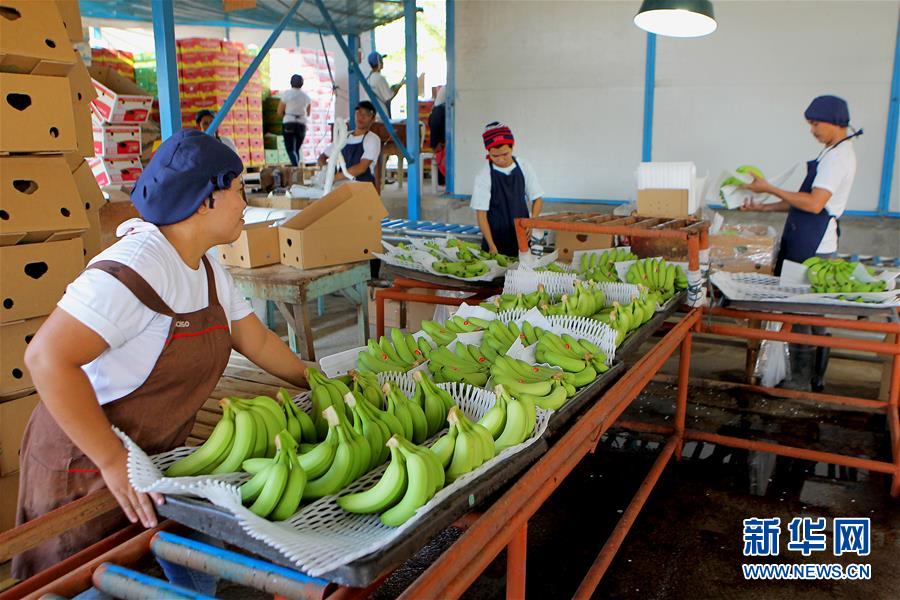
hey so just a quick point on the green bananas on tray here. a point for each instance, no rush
(625, 318)
(409, 413)
(276, 488)
(400, 353)
(325, 392)
(836, 276)
(463, 269)
(435, 402)
(578, 356)
(601, 266)
(658, 275)
(585, 301)
(464, 363)
(465, 446)
(547, 387)
(498, 338)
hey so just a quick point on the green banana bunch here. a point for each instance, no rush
(473, 445)
(836, 276)
(502, 259)
(585, 301)
(375, 431)
(206, 457)
(465, 364)
(299, 424)
(625, 318)
(572, 355)
(464, 270)
(409, 413)
(351, 458)
(386, 492)
(521, 419)
(523, 301)
(533, 381)
(367, 387)
(492, 305)
(434, 402)
(275, 490)
(400, 353)
(657, 275)
(457, 324)
(325, 392)
(424, 477)
(438, 333)
(552, 268)
(601, 266)
(497, 339)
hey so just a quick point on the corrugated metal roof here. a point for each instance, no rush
(350, 16)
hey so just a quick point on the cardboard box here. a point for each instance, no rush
(39, 201)
(119, 100)
(93, 237)
(35, 114)
(663, 203)
(568, 242)
(341, 227)
(9, 491)
(14, 415)
(33, 39)
(71, 17)
(83, 94)
(14, 338)
(117, 141)
(33, 277)
(257, 247)
(115, 171)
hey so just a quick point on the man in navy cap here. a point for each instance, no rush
(384, 91)
(811, 227)
(139, 341)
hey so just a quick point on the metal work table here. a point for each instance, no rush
(290, 289)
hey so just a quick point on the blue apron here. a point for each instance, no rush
(508, 202)
(352, 154)
(803, 231)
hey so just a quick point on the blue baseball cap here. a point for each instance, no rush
(829, 109)
(374, 58)
(185, 170)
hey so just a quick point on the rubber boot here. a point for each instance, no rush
(801, 358)
(819, 366)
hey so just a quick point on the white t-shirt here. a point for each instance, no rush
(135, 333)
(295, 103)
(371, 147)
(481, 191)
(836, 171)
(381, 88)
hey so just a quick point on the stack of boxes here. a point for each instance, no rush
(48, 197)
(208, 70)
(118, 60)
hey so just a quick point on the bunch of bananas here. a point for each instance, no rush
(411, 479)
(833, 276)
(276, 487)
(498, 338)
(658, 275)
(299, 424)
(434, 401)
(584, 302)
(457, 324)
(578, 356)
(248, 428)
(625, 318)
(325, 392)
(376, 426)
(409, 413)
(601, 267)
(465, 364)
(547, 387)
(510, 420)
(339, 459)
(463, 269)
(400, 353)
(553, 268)
(438, 333)
(465, 446)
(469, 252)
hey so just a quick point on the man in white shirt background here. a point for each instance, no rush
(294, 108)
(383, 90)
(362, 148)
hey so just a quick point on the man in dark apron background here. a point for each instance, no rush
(812, 227)
(503, 191)
(362, 147)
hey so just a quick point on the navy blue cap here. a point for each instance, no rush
(829, 109)
(374, 58)
(296, 80)
(185, 170)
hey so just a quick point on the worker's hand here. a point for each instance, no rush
(492, 248)
(758, 186)
(135, 505)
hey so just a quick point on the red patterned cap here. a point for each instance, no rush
(497, 134)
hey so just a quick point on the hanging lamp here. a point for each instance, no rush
(676, 18)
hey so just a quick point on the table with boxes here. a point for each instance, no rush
(49, 200)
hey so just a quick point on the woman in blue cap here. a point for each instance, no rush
(812, 227)
(139, 341)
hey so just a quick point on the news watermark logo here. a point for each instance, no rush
(807, 536)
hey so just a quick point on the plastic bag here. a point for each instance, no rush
(772, 363)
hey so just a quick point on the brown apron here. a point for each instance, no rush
(158, 416)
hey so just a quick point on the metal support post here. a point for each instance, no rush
(450, 160)
(413, 191)
(166, 67)
(890, 137)
(352, 78)
(362, 80)
(516, 555)
(251, 70)
(684, 369)
(649, 89)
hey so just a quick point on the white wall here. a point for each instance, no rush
(568, 77)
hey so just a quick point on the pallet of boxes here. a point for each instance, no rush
(49, 201)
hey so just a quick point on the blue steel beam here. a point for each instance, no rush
(649, 89)
(362, 80)
(245, 78)
(120, 582)
(166, 67)
(413, 191)
(352, 79)
(450, 107)
(890, 139)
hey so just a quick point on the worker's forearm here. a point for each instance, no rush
(69, 397)
(801, 200)
(485, 228)
(276, 358)
(780, 206)
(536, 209)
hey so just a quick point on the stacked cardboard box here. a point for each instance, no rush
(118, 60)
(44, 138)
(208, 70)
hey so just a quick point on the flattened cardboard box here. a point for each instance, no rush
(35, 113)
(33, 39)
(663, 203)
(14, 415)
(39, 201)
(341, 227)
(33, 277)
(14, 338)
(71, 17)
(83, 93)
(257, 247)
